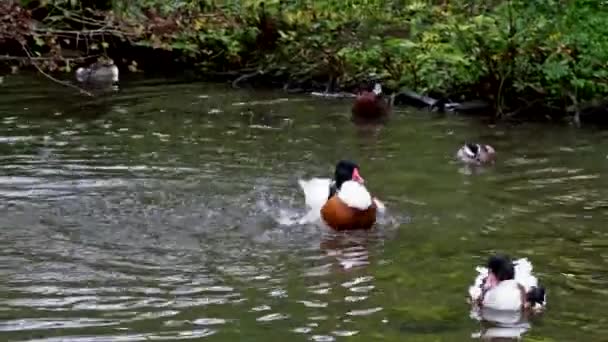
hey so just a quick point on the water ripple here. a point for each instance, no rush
(168, 211)
(54, 323)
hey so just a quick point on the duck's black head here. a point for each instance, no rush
(474, 148)
(346, 170)
(502, 267)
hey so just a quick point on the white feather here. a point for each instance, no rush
(523, 274)
(504, 296)
(377, 89)
(475, 289)
(462, 154)
(114, 71)
(81, 74)
(355, 195)
(316, 192)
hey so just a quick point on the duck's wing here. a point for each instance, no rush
(316, 192)
(523, 274)
(475, 289)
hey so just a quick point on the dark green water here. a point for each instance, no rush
(158, 213)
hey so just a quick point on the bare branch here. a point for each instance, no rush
(32, 58)
(96, 32)
(66, 84)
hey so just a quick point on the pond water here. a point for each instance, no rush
(165, 212)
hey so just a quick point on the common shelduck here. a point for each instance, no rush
(507, 285)
(342, 203)
(476, 154)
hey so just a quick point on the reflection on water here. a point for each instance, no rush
(168, 211)
(497, 325)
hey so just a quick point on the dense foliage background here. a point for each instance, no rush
(521, 55)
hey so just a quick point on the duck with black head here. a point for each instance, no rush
(507, 285)
(343, 203)
(371, 105)
(476, 154)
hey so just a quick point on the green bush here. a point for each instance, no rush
(512, 52)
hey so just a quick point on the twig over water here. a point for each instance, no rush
(66, 84)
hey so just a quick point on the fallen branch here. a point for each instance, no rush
(524, 108)
(32, 58)
(66, 84)
(244, 77)
(90, 33)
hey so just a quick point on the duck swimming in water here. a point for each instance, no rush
(370, 105)
(342, 203)
(507, 286)
(476, 154)
(100, 72)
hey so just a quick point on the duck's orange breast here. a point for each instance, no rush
(339, 216)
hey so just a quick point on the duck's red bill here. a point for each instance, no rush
(357, 177)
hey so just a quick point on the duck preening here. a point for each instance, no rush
(507, 285)
(100, 72)
(370, 105)
(342, 203)
(476, 154)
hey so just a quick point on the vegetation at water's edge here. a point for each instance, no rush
(521, 55)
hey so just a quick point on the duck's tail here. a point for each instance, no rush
(355, 195)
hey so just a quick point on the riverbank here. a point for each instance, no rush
(529, 60)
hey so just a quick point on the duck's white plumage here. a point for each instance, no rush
(523, 274)
(377, 89)
(505, 295)
(355, 195)
(98, 74)
(475, 289)
(316, 192)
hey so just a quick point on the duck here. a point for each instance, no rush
(100, 72)
(507, 285)
(342, 203)
(370, 105)
(476, 154)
